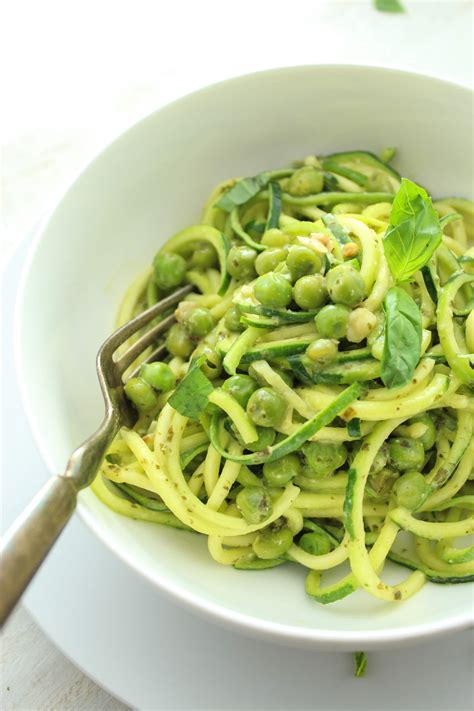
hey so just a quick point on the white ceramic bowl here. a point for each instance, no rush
(152, 181)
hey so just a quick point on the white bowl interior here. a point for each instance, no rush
(152, 181)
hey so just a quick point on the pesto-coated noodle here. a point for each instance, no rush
(318, 394)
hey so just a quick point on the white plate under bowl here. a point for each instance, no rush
(151, 182)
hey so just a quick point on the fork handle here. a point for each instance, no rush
(29, 540)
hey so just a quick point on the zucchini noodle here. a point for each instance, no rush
(271, 426)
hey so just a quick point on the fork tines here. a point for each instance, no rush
(115, 368)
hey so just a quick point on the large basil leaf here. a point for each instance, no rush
(414, 232)
(402, 338)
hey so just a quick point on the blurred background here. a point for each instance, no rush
(74, 75)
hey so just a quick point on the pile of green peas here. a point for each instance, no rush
(143, 390)
(399, 464)
(409, 456)
(397, 469)
(289, 275)
(255, 505)
(170, 268)
(182, 337)
(169, 272)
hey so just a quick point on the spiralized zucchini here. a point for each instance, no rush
(314, 404)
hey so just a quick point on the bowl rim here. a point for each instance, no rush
(238, 621)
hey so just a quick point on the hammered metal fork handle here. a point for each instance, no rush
(32, 536)
(29, 541)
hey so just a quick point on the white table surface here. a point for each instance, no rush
(78, 74)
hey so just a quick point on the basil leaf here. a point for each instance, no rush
(414, 232)
(402, 338)
(191, 396)
(360, 663)
(389, 6)
(243, 191)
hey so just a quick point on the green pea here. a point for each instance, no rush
(377, 347)
(241, 262)
(212, 366)
(158, 375)
(377, 331)
(232, 320)
(345, 285)
(203, 256)
(302, 261)
(141, 394)
(379, 182)
(254, 503)
(315, 543)
(282, 471)
(199, 322)
(273, 290)
(411, 490)
(428, 438)
(169, 270)
(274, 543)
(332, 321)
(381, 482)
(406, 453)
(266, 408)
(305, 181)
(266, 437)
(324, 457)
(282, 270)
(322, 350)
(178, 341)
(268, 260)
(380, 459)
(310, 292)
(240, 387)
(274, 238)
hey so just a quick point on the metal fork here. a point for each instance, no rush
(29, 540)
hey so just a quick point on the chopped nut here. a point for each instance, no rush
(317, 241)
(361, 323)
(351, 249)
(313, 244)
(321, 237)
